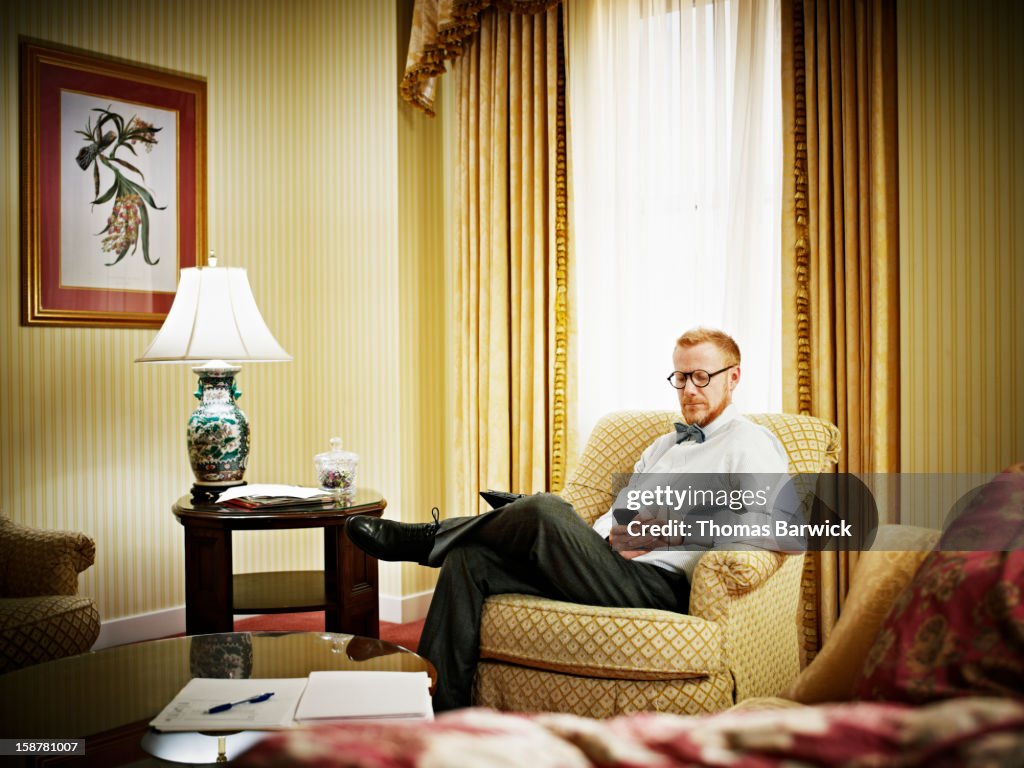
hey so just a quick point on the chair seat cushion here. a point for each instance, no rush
(624, 643)
(38, 629)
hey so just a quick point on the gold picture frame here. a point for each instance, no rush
(113, 187)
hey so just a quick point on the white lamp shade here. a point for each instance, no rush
(214, 317)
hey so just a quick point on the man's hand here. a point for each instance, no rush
(630, 546)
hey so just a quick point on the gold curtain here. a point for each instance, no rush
(511, 274)
(441, 29)
(840, 240)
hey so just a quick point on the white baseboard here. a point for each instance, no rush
(399, 610)
(144, 626)
(150, 626)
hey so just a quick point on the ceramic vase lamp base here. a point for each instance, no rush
(214, 318)
(218, 432)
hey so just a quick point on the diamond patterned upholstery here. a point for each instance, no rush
(743, 637)
(629, 643)
(41, 615)
(523, 689)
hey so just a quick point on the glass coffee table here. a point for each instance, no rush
(108, 697)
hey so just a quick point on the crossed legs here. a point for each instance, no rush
(537, 545)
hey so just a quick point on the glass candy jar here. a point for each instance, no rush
(336, 470)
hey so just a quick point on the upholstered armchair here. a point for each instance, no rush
(42, 616)
(742, 637)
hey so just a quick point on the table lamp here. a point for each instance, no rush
(214, 319)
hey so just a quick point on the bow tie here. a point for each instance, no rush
(689, 432)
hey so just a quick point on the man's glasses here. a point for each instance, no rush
(699, 378)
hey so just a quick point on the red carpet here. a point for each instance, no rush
(405, 635)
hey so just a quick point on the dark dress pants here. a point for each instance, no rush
(537, 545)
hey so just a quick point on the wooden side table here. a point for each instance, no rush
(346, 590)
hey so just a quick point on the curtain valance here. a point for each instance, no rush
(440, 30)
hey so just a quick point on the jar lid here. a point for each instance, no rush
(336, 453)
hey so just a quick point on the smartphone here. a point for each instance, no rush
(623, 516)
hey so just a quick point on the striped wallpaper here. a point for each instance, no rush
(961, 144)
(331, 193)
(316, 175)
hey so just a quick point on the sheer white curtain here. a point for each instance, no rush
(676, 155)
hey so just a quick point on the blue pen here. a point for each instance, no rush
(226, 707)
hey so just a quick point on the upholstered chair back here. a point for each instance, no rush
(619, 438)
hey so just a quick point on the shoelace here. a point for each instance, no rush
(426, 530)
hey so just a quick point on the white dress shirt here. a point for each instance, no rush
(733, 444)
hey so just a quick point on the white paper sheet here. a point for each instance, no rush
(269, 489)
(187, 710)
(348, 695)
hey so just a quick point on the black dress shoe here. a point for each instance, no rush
(390, 540)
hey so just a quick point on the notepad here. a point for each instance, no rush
(351, 695)
(188, 710)
(337, 695)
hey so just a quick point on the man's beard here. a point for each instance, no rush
(713, 414)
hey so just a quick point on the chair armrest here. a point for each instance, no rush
(722, 574)
(41, 562)
(754, 595)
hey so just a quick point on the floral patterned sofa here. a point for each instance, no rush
(954, 734)
(925, 667)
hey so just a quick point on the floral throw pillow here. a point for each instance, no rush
(958, 627)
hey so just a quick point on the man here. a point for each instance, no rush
(538, 545)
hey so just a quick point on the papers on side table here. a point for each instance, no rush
(260, 495)
(329, 696)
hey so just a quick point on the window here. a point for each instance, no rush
(676, 154)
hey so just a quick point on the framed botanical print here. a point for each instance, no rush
(113, 187)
